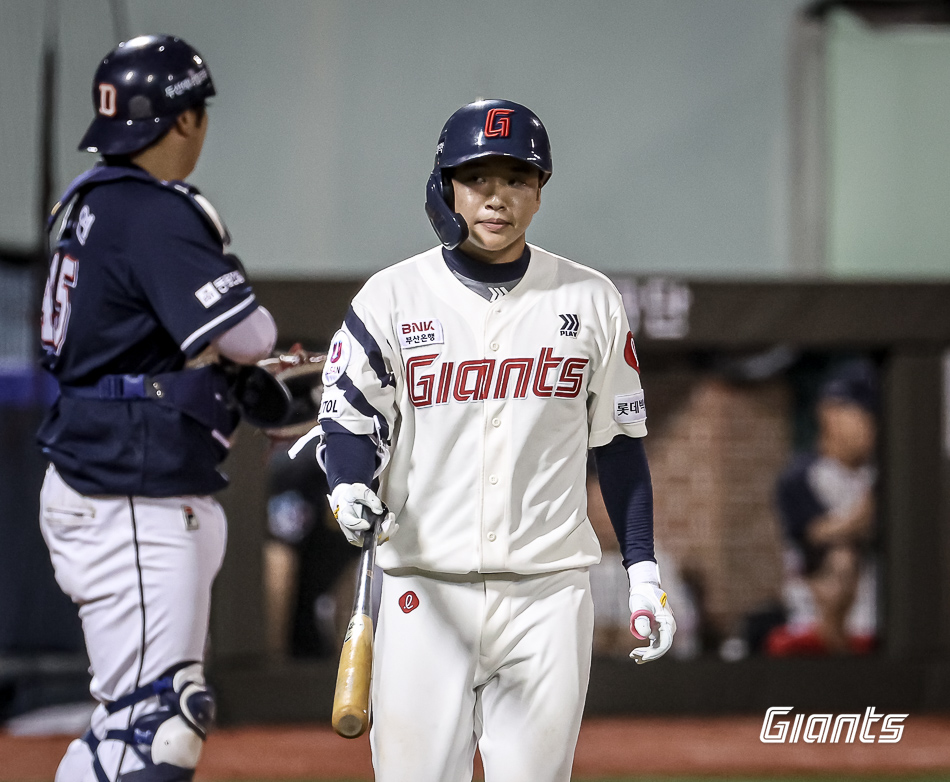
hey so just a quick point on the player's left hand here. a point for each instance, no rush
(346, 502)
(646, 596)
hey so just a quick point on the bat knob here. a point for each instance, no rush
(349, 726)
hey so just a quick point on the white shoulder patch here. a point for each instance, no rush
(629, 408)
(338, 358)
(207, 295)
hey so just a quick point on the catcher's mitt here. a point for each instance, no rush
(281, 394)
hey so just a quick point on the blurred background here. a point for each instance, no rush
(766, 181)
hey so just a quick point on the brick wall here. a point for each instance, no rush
(715, 450)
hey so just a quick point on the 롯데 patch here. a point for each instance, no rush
(337, 359)
(207, 294)
(420, 333)
(629, 408)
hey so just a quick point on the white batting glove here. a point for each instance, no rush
(650, 614)
(347, 499)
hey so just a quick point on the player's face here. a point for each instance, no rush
(497, 196)
(848, 432)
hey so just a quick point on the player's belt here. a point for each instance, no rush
(201, 394)
(116, 387)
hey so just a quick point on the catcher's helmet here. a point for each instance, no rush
(482, 129)
(139, 89)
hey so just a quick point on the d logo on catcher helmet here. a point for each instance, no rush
(497, 123)
(107, 100)
(409, 602)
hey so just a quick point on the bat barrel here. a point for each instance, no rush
(350, 716)
(351, 706)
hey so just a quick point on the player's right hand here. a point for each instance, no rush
(347, 499)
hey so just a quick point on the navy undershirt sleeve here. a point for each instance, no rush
(350, 458)
(628, 495)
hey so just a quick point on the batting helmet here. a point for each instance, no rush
(482, 129)
(140, 88)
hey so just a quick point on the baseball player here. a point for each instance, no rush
(472, 380)
(139, 286)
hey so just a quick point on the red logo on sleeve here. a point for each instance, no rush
(497, 123)
(408, 602)
(630, 353)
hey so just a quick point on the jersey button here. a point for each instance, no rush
(496, 422)
(494, 346)
(491, 537)
(493, 479)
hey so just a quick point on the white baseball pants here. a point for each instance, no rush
(140, 569)
(499, 660)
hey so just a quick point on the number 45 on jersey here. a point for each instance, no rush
(63, 273)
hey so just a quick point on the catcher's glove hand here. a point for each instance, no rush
(280, 394)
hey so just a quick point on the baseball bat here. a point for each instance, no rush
(351, 698)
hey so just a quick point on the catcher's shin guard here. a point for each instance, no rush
(169, 739)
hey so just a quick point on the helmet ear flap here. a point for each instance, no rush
(448, 224)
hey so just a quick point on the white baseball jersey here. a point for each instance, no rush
(490, 407)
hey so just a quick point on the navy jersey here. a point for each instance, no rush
(813, 486)
(798, 504)
(139, 282)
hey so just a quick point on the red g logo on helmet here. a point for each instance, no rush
(630, 353)
(497, 123)
(409, 602)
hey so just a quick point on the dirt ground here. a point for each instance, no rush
(607, 747)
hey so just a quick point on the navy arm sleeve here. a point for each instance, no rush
(628, 496)
(350, 458)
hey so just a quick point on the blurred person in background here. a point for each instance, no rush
(826, 504)
(308, 568)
